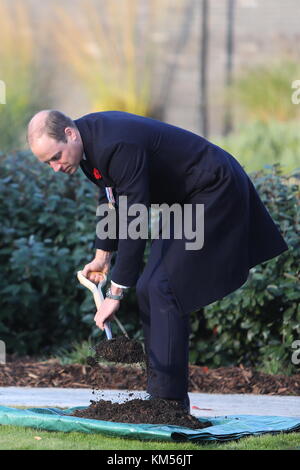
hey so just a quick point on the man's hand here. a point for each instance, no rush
(106, 311)
(101, 262)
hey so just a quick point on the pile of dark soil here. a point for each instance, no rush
(154, 411)
(121, 350)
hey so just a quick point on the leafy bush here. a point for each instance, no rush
(78, 353)
(263, 92)
(258, 144)
(258, 323)
(47, 234)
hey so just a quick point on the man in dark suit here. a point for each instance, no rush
(150, 162)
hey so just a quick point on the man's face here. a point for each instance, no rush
(61, 156)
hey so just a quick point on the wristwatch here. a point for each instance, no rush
(109, 295)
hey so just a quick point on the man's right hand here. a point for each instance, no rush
(101, 262)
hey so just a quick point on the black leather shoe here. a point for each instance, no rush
(185, 403)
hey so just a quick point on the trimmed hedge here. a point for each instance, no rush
(47, 233)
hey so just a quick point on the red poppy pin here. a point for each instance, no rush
(97, 174)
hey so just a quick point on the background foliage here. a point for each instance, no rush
(27, 84)
(264, 143)
(46, 236)
(47, 233)
(263, 92)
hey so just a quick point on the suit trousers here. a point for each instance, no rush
(166, 330)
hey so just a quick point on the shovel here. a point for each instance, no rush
(98, 298)
(131, 350)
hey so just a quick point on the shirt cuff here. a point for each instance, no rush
(118, 285)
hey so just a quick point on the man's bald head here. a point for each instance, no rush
(50, 122)
(54, 138)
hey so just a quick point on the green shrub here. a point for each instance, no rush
(263, 92)
(46, 236)
(47, 228)
(257, 324)
(77, 353)
(258, 144)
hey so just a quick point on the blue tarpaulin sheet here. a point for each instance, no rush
(224, 428)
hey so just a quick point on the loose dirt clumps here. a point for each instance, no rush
(121, 350)
(153, 411)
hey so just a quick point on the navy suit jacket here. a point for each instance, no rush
(154, 162)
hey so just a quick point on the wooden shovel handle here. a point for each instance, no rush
(97, 293)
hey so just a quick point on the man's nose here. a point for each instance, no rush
(55, 166)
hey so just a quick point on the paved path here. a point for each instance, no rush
(206, 404)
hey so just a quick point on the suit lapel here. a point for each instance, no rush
(88, 171)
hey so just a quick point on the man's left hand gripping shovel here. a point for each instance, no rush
(98, 298)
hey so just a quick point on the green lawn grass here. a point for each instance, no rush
(21, 438)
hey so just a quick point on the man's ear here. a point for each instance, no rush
(70, 132)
